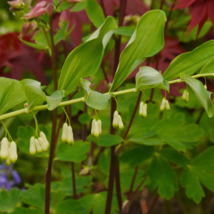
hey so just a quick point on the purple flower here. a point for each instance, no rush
(40, 9)
(16, 177)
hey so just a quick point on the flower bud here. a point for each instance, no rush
(187, 96)
(121, 126)
(70, 137)
(84, 171)
(167, 105)
(64, 132)
(16, 4)
(40, 9)
(205, 86)
(163, 104)
(43, 144)
(184, 95)
(63, 18)
(4, 148)
(13, 152)
(96, 129)
(32, 146)
(38, 146)
(43, 136)
(100, 126)
(115, 119)
(144, 110)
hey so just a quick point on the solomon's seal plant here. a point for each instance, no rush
(134, 144)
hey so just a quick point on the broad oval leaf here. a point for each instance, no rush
(11, 94)
(33, 92)
(148, 77)
(85, 60)
(95, 13)
(94, 99)
(146, 41)
(191, 62)
(201, 93)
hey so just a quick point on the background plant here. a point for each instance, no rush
(89, 60)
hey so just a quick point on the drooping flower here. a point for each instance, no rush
(200, 10)
(185, 96)
(70, 137)
(164, 105)
(143, 109)
(16, 4)
(40, 9)
(96, 127)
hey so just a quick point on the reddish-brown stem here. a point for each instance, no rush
(84, 129)
(161, 6)
(152, 205)
(104, 73)
(132, 184)
(54, 123)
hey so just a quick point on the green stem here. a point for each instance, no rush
(82, 99)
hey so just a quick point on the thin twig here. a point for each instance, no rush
(132, 183)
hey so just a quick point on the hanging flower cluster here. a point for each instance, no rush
(39, 145)
(185, 96)
(164, 104)
(117, 121)
(96, 128)
(8, 151)
(143, 109)
(67, 134)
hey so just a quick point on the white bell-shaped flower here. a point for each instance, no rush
(163, 104)
(185, 96)
(43, 136)
(43, 144)
(100, 126)
(38, 146)
(64, 132)
(32, 146)
(8, 161)
(141, 108)
(144, 110)
(13, 152)
(115, 119)
(4, 148)
(93, 126)
(96, 129)
(121, 126)
(167, 105)
(70, 137)
(205, 86)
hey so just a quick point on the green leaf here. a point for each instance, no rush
(21, 210)
(61, 33)
(33, 92)
(94, 99)
(11, 94)
(124, 31)
(85, 60)
(79, 6)
(54, 100)
(9, 200)
(201, 93)
(109, 140)
(163, 176)
(95, 13)
(69, 206)
(208, 68)
(173, 131)
(137, 155)
(146, 41)
(64, 6)
(148, 77)
(40, 39)
(55, 2)
(191, 62)
(96, 202)
(33, 45)
(76, 153)
(200, 170)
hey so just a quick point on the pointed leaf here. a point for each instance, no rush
(191, 62)
(95, 13)
(61, 33)
(54, 100)
(208, 68)
(11, 94)
(146, 41)
(34, 45)
(85, 60)
(201, 93)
